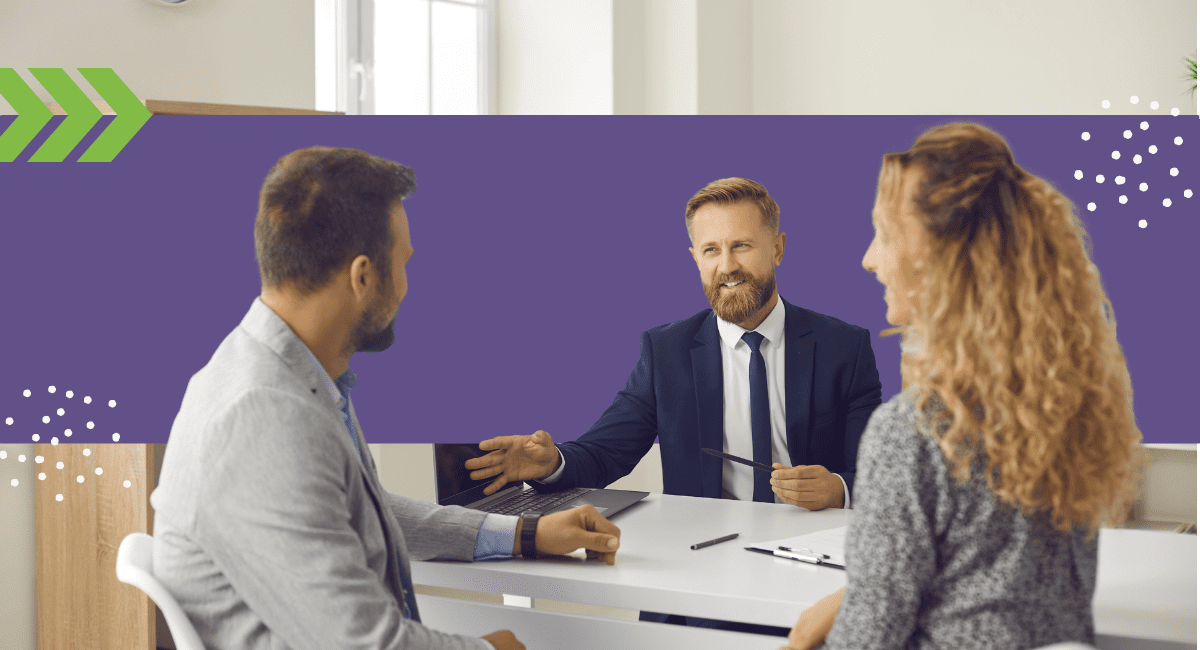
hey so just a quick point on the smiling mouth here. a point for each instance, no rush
(730, 285)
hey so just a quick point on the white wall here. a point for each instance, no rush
(952, 57)
(554, 57)
(225, 51)
(18, 550)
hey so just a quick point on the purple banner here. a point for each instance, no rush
(544, 246)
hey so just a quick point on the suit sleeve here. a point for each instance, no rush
(861, 401)
(273, 514)
(620, 438)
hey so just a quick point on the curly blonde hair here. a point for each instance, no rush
(1011, 346)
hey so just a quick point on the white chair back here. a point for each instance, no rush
(135, 566)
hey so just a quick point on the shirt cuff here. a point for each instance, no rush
(487, 644)
(496, 537)
(845, 491)
(553, 478)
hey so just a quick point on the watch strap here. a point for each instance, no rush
(529, 534)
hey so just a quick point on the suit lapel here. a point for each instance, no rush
(798, 374)
(710, 402)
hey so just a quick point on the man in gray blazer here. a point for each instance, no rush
(271, 527)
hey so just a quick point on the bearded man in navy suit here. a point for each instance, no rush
(698, 384)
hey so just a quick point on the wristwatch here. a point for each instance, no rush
(529, 534)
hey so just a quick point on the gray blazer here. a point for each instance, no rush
(269, 529)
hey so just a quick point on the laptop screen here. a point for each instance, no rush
(454, 484)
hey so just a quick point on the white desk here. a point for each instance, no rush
(1152, 597)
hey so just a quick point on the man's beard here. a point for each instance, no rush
(738, 304)
(368, 339)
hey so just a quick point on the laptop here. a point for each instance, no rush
(455, 488)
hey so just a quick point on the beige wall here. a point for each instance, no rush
(224, 51)
(18, 567)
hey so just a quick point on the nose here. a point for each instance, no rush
(727, 263)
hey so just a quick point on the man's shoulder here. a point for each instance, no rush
(680, 330)
(823, 324)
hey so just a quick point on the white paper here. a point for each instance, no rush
(831, 542)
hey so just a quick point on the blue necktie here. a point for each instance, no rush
(760, 418)
(344, 383)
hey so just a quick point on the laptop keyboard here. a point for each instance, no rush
(531, 500)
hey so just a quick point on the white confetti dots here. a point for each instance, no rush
(1137, 159)
(87, 452)
(1175, 112)
(36, 437)
(54, 441)
(116, 437)
(1143, 187)
(46, 419)
(3, 454)
(1187, 194)
(87, 399)
(79, 479)
(1166, 203)
(91, 425)
(112, 403)
(1133, 99)
(21, 458)
(59, 465)
(1078, 176)
(1145, 125)
(15, 483)
(1091, 207)
(1116, 155)
(8, 421)
(1105, 104)
(61, 412)
(1142, 223)
(70, 394)
(26, 393)
(1128, 134)
(67, 432)
(1123, 199)
(51, 389)
(1086, 136)
(39, 460)
(42, 476)
(1174, 171)
(1120, 180)
(58, 497)
(1154, 106)
(1153, 149)
(1178, 139)
(1099, 178)
(99, 471)
(127, 483)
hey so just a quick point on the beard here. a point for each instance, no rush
(370, 337)
(738, 304)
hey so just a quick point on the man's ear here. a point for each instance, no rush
(780, 244)
(362, 276)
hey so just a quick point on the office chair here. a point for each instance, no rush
(135, 566)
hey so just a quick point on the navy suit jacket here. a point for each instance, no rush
(676, 394)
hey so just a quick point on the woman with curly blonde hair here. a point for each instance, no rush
(982, 485)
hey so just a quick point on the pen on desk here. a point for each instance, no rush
(714, 541)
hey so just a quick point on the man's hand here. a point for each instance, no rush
(561, 532)
(807, 486)
(515, 458)
(503, 640)
(815, 623)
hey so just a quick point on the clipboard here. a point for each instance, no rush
(822, 548)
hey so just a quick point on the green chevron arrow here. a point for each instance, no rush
(32, 115)
(82, 115)
(131, 115)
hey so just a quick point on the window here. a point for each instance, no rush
(406, 57)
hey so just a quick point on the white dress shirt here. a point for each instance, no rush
(737, 480)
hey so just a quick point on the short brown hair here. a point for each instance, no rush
(728, 191)
(322, 207)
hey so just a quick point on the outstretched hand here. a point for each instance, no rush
(515, 458)
(808, 486)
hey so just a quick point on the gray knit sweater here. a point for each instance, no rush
(932, 563)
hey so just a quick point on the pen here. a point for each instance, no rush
(797, 556)
(714, 541)
(809, 551)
